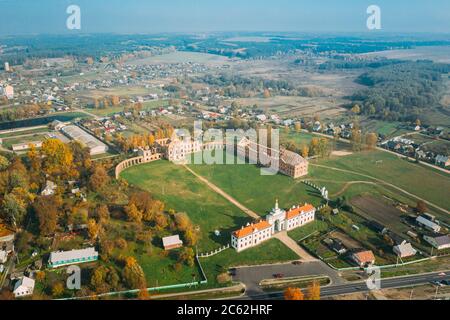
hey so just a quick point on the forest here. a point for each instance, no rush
(400, 92)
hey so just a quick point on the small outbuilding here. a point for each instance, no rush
(172, 242)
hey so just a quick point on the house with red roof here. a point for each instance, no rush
(277, 220)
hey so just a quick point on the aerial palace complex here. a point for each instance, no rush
(276, 221)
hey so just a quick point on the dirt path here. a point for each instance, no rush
(282, 236)
(383, 182)
(291, 244)
(224, 194)
(349, 184)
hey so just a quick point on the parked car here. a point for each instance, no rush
(297, 263)
(278, 275)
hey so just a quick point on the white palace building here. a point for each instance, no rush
(276, 221)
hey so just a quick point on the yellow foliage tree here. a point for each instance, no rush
(293, 294)
(314, 291)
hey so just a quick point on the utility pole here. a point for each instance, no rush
(412, 291)
(437, 289)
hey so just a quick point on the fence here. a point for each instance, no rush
(213, 253)
(161, 288)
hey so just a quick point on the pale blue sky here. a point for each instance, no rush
(156, 16)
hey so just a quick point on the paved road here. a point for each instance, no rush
(355, 287)
(251, 276)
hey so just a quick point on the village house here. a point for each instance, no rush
(428, 224)
(172, 242)
(63, 258)
(363, 258)
(404, 250)
(24, 287)
(440, 242)
(442, 161)
(50, 188)
(276, 221)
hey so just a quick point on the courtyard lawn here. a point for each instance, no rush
(183, 192)
(310, 229)
(418, 180)
(255, 191)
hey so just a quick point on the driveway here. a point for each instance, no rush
(253, 275)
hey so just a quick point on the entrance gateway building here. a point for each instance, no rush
(277, 220)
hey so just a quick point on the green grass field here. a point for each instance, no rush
(257, 192)
(181, 191)
(416, 179)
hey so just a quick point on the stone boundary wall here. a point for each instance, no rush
(157, 156)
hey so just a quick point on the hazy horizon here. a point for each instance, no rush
(22, 17)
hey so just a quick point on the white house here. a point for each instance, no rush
(404, 250)
(172, 242)
(276, 221)
(438, 242)
(63, 258)
(50, 188)
(24, 287)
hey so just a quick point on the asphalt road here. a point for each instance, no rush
(253, 275)
(355, 287)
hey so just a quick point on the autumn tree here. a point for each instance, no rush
(356, 109)
(191, 236)
(46, 209)
(293, 294)
(371, 140)
(57, 158)
(298, 127)
(266, 94)
(314, 291)
(187, 256)
(133, 213)
(143, 294)
(418, 122)
(182, 221)
(421, 206)
(305, 151)
(356, 140)
(314, 146)
(99, 178)
(57, 289)
(102, 213)
(132, 274)
(115, 100)
(40, 276)
(93, 229)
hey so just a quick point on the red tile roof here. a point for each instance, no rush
(364, 256)
(297, 211)
(251, 229)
